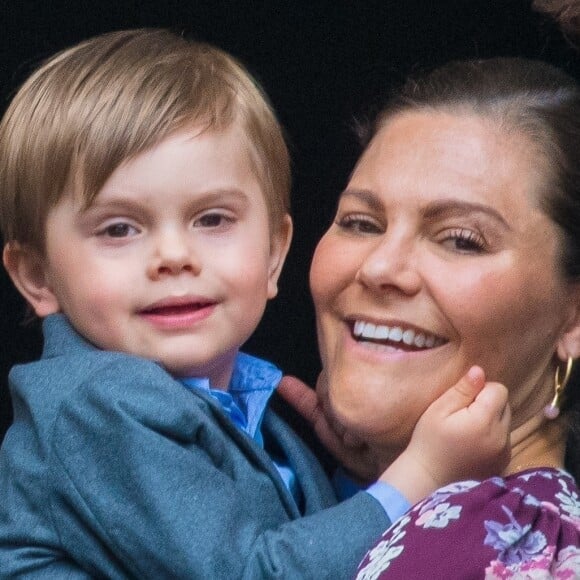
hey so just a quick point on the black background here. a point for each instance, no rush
(322, 63)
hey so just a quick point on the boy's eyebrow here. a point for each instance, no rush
(209, 196)
(223, 192)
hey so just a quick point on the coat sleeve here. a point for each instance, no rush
(146, 483)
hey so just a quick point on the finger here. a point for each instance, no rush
(301, 397)
(462, 394)
(493, 400)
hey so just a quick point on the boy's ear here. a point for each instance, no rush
(26, 268)
(278, 251)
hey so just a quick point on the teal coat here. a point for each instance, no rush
(113, 469)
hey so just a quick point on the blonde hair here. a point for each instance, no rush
(93, 106)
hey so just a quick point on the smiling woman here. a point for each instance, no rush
(455, 243)
(425, 206)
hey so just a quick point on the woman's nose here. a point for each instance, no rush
(391, 265)
(173, 253)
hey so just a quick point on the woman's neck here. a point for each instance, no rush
(538, 442)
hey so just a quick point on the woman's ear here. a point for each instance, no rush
(279, 247)
(569, 342)
(26, 267)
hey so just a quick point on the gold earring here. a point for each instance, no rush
(552, 410)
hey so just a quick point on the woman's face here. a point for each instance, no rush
(439, 258)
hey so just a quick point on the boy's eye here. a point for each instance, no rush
(119, 230)
(358, 224)
(213, 220)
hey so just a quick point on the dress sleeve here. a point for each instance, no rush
(526, 525)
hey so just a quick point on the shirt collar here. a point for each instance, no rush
(251, 386)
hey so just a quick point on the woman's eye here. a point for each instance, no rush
(119, 230)
(465, 241)
(359, 224)
(213, 220)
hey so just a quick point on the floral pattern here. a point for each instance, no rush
(439, 516)
(386, 550)
(514, 542)
(524, 526)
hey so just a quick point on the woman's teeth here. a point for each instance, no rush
(379, 332)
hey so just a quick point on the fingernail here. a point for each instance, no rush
(475, 374)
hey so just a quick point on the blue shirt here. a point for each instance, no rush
(252, 384)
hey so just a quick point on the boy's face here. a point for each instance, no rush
(174, 260)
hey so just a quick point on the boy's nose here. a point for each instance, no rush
(172, 255)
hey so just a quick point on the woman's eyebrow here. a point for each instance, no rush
(366, 196)
(450, 207)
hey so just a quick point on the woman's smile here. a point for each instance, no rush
(395, 336)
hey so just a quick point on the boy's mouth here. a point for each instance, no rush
(178, 304)
(178, 312)
(397, 336)
(176, 309)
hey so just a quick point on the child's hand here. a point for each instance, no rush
(464, 434)
(355, 456)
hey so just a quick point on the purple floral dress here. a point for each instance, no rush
(524, 526)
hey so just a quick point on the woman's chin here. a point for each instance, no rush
(365, 412)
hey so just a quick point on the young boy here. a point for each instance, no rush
(144, 205)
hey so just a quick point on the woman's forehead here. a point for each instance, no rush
(461, 148)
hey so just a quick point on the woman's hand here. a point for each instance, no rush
(356, 457)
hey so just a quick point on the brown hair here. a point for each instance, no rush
(93, 106)
(565, 12)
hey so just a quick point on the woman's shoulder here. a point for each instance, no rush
(498, 528)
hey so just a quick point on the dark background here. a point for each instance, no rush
(322, 63)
